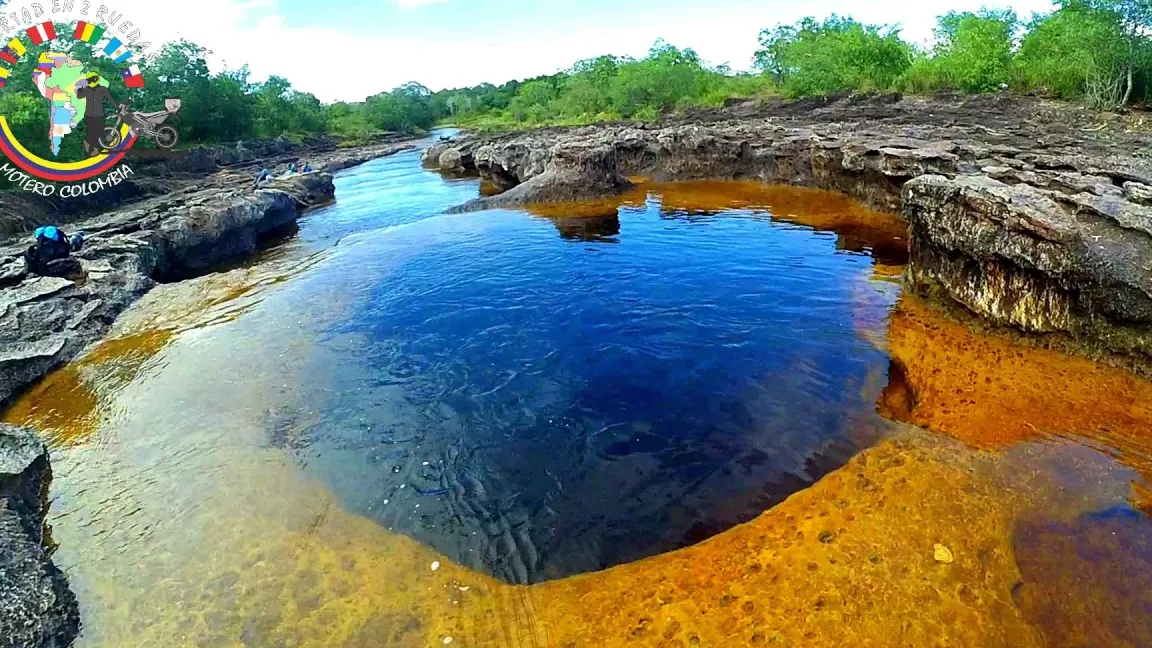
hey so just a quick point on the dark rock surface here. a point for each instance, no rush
(1040, 260)
(1031, 214)
(574, 171)
(36, 607)
(46, 321)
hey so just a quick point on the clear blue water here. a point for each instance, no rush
(537, 403)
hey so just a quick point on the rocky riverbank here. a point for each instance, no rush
(36, 606)
(46, 321)
(1025, 213)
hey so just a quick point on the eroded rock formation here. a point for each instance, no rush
(36, 607)
(1037, 259)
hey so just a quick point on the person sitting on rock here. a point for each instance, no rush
(307, 168)
(291, 169)
(264, 176)
(52, 244)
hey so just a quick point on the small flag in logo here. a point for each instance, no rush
(132, 77)
(3, 77)
(42, 33)
(13, 51)
(117, 51)
(88, 32)
(44, 62)
(17, 47)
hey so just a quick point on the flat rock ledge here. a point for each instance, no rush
(1016, 212)
(36, 607)
(46, 321)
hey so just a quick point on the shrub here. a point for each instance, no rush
(840, 54)
(973, 52)
(1086, 50)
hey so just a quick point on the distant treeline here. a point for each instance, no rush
(1099, 51)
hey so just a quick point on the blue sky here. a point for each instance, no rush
(453, 43)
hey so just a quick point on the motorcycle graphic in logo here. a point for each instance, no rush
(150, 125)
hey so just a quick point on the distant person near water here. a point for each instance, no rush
(94, 120)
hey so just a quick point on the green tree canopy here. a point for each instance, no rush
(839, 54)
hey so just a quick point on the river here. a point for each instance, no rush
(401, 427)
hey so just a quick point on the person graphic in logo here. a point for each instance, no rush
(94, 120)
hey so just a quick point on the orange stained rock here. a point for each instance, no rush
(65, 404)
(848, 562)
(990, 390)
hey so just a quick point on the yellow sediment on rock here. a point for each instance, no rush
(991, 390)
(65, 404)
(850, 561)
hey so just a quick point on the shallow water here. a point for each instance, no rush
(278, 455)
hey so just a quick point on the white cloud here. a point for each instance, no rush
(409, 4)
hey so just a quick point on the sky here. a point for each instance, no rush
(346, 50)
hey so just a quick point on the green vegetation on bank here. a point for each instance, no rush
(1099, 51)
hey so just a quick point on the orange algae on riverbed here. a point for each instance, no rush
(65, 404)
(990, 390)
(858, 227)
(849, 561)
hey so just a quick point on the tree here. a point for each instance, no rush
(811, 58)
(533, 100)
(1094, 49)
(973, 53)
(1133, 19)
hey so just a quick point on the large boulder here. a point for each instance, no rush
(1040, 260)
(37, 609)
(306, 189)
(199, 234)
(451, 160)
(575, 171)
(430, 157)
